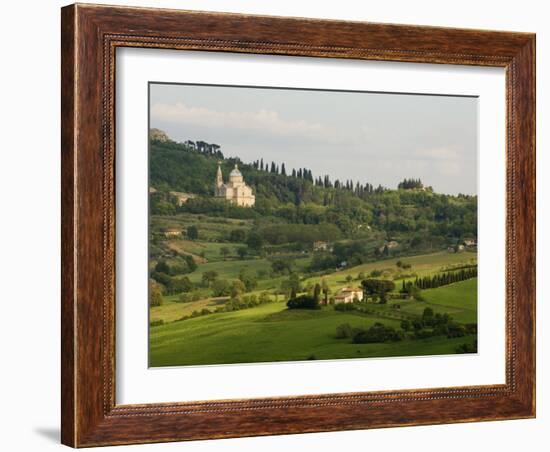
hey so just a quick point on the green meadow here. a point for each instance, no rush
(273, 333)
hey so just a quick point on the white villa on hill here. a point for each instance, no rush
(235, 191)
(348, 295)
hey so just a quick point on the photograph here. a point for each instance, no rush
(297, 224)
(275, 226)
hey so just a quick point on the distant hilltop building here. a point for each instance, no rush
(235, 191)
(159, 135)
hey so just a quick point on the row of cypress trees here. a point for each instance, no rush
(443, 279)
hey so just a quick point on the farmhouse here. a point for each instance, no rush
(388, 245)
(181, 197)
(321, 245)
(172, 232)
(348, 295)
(455, 249)
(235, 191)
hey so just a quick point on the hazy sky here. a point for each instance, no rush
(367, 137)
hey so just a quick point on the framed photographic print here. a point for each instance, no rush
(280, 225)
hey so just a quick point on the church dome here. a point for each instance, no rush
(235, 172)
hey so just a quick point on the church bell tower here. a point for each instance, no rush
(219, 178)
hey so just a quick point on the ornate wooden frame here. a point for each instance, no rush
(90, 36)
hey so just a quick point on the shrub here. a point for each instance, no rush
(249, 279)
(281, 266)
(192, 232)
(237, 235)
(456, 330)
(185, 298)
(467, 348)
(344, 331)
(423, 334)
(156, 322)
(428, 314)
(162, 267)
(221, 288)
(378, 287)
(303, 302)
(237, 288)
(161, 278)
(264, 298)
(155, 296)
(172, 285)
(377, 333)
(209, 277)
(254, 241)
(178, 285)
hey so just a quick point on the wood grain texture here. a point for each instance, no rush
(90, 36)
(68, 244)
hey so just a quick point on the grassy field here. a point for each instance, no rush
(230, 269)
(458, 299)
(272, 333)
(210, 228)
(171, 310)
(421, 265)
(204, 251)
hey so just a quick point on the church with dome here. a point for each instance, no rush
(235, 190)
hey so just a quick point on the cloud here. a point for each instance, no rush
(440, 153)
(446, 161)
(262, 121)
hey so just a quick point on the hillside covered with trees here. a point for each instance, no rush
(295, 206)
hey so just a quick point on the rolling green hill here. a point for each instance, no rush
(257, 335)
(418, 215)
(221, 275)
